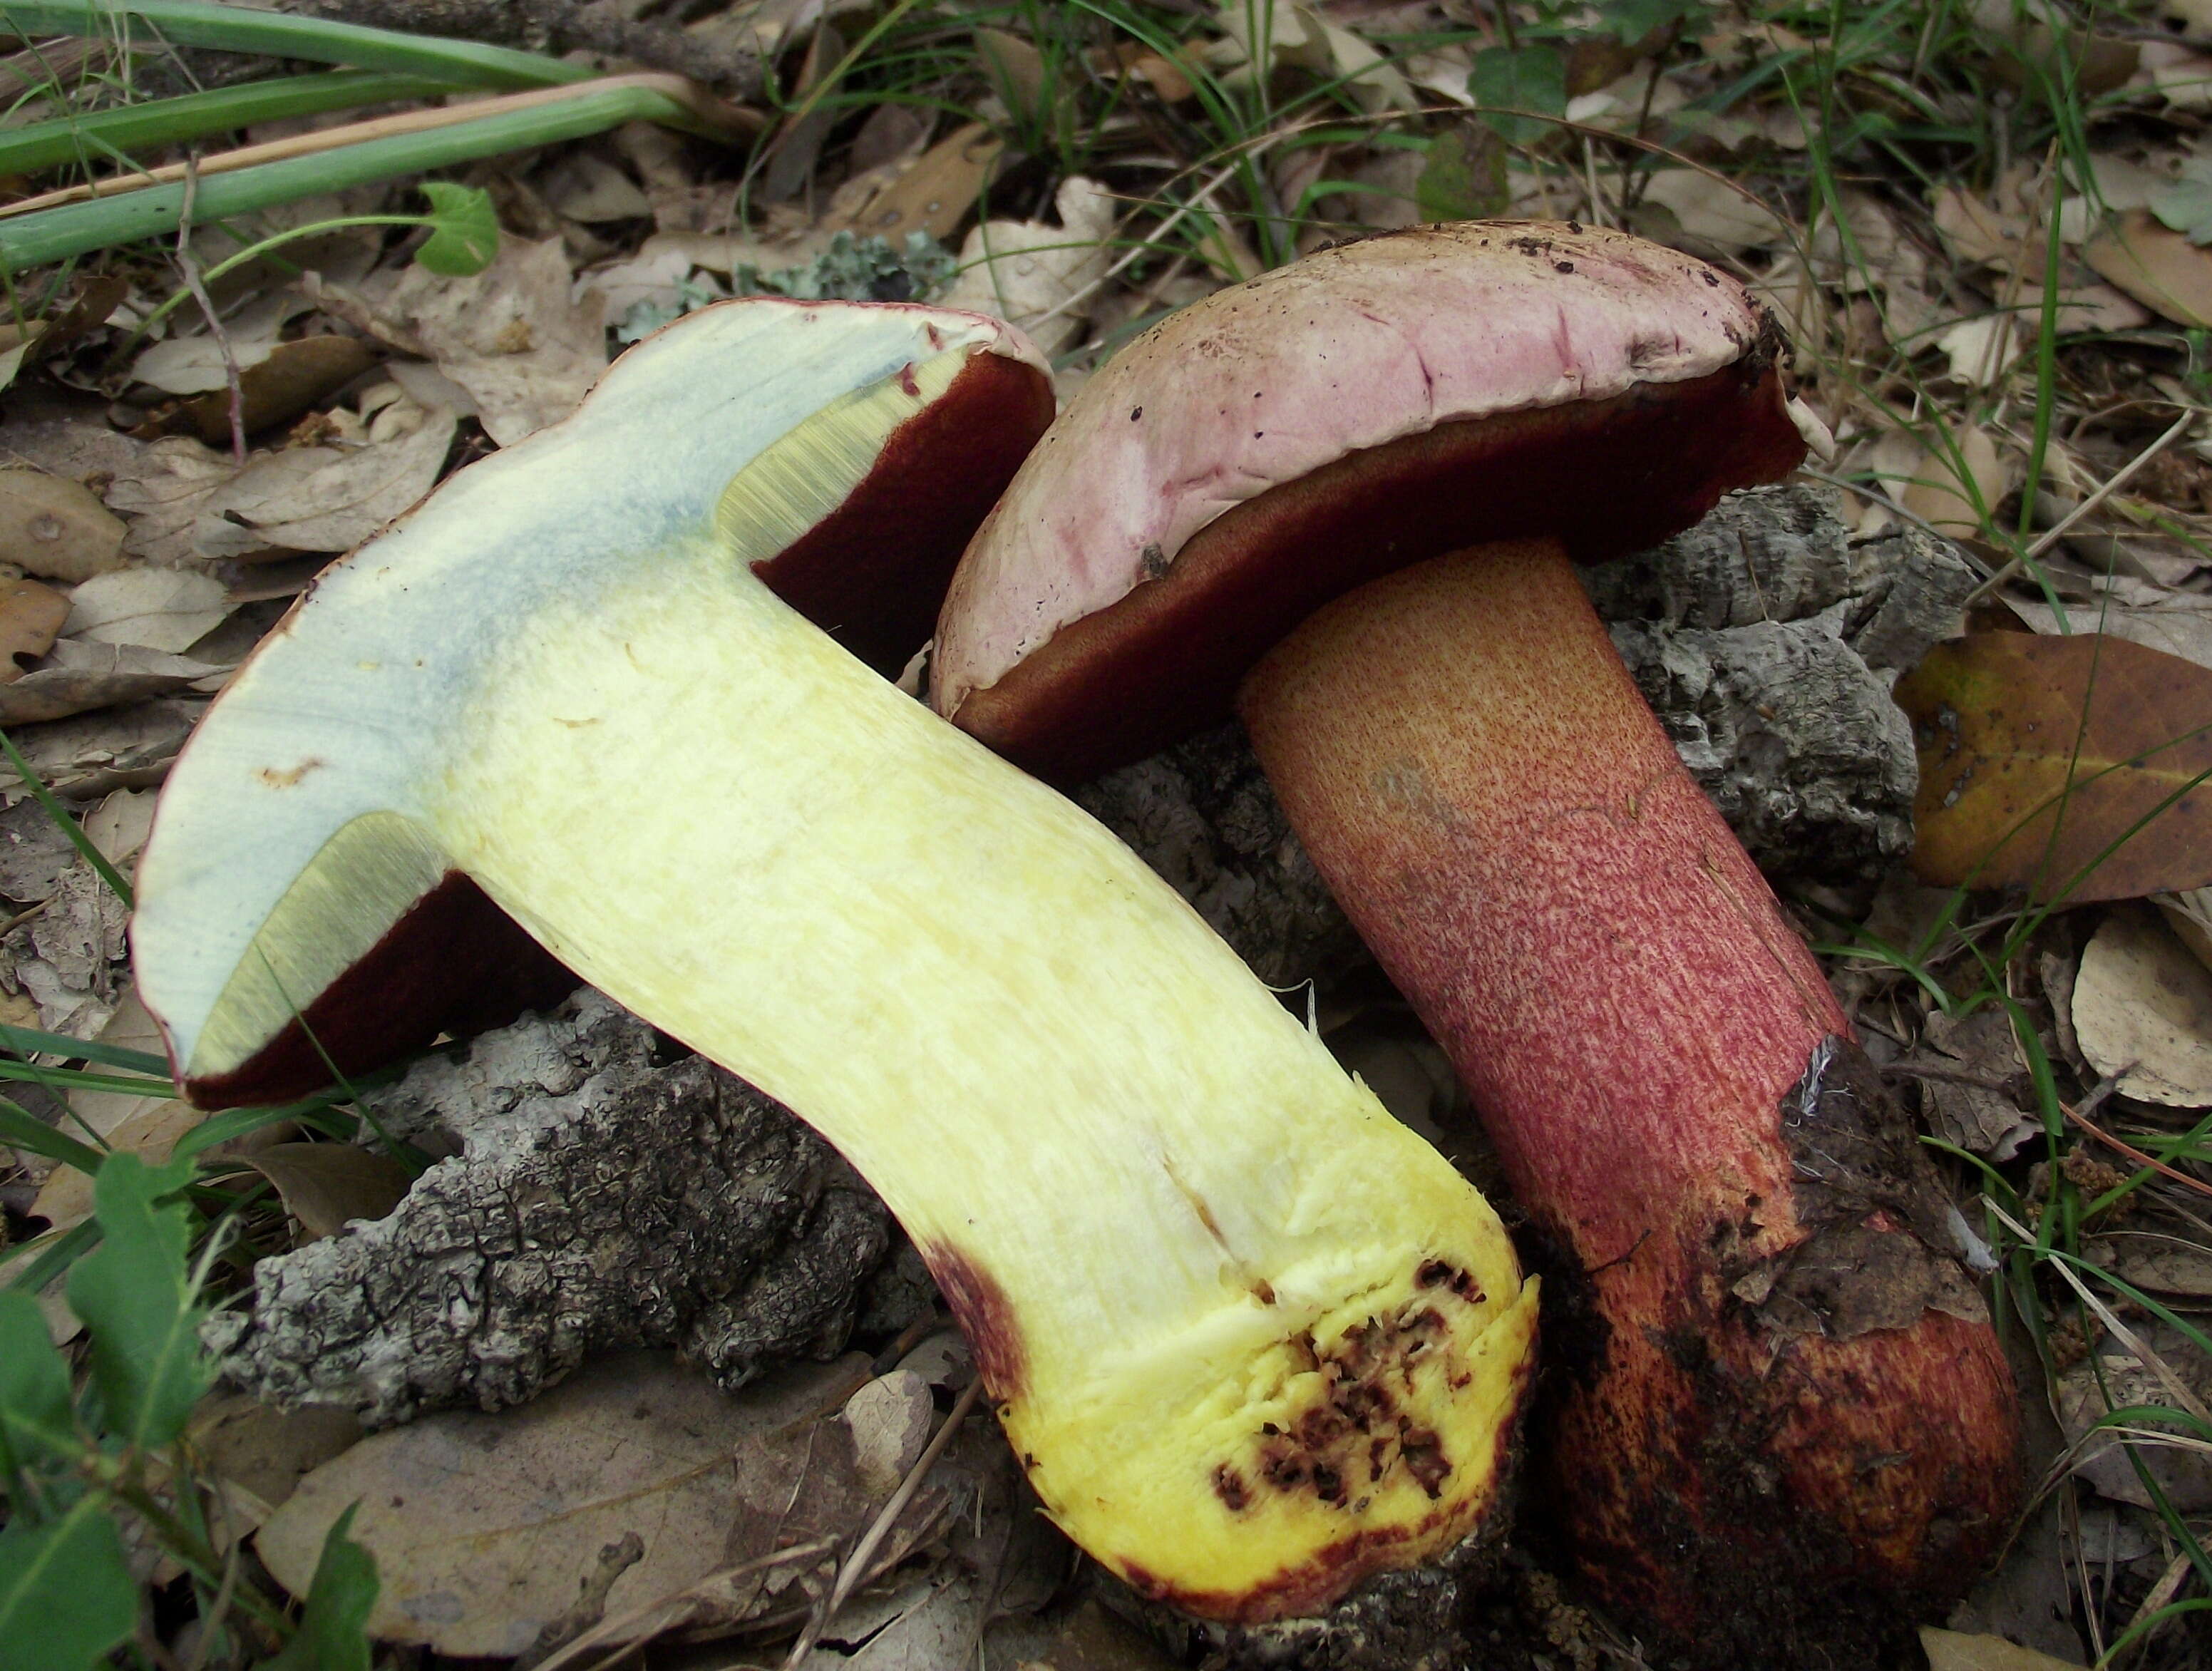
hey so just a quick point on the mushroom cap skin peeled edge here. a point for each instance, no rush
(1343, 498)
(1252, 1339)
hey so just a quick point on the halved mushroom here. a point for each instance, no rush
(1774, 1366)
(1252, 1339)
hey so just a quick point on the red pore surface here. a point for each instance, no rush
(872, 573)
(1783, 1401)
(1372, 405)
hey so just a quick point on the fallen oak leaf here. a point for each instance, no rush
(482, 1525)
(326, 1186)
(56, 528)
(80, 674)
(2143, 1009)
(2061, 764)
(31, 616)
(2159, 268)
(163, 609)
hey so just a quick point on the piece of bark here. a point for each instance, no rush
(1744, 634)
(610, 1190)
(556, 27)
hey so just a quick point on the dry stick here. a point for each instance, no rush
(569, 1652)
(189, 265)
(849, 1573)
(691, 95)
(2051, 535)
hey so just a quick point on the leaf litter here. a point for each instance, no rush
(1917, 313)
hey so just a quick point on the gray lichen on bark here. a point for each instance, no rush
(1765, 639)
(609, 1189)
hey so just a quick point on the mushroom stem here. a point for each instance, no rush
(1774, 1368)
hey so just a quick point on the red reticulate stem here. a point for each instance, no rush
(1772, 1370)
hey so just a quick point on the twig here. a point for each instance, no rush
(855, 1564)
(188, 263)
(2051, 535)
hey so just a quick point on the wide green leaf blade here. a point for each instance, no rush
(66, 1598)
(134, 1293)
(29, 1041)
(1507, 80)
(19, 1128)
(37, 1419)
(104, 135)
(278, 35)
(333, 1630)
(47, 235)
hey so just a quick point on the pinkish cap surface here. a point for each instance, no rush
(1397, 365)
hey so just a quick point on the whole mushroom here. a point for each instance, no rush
(1346, 496)
(1252, 1339)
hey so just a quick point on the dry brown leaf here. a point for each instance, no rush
(332, 499)
(82, 675)
(2182, 77)
(1713, 210)
(589, 189)
(257, 1455)
(511, 335)
(934, 193)
(1980, 350)
(30, 617)
(53, 526)
(1936, 486)
(483, 1525)
(1022, 270)
(152, 1133)
(2178, 623)
(1300, 36)
(2185, 1476)
(295, 378)
(163, 609)
(2143, 1009)
(1950, 1651)
(326, 1186)
(125, 748)
(1975, 230)
(2161, 1264)
(2159, 267)
(890, 1418)
(1017, 73)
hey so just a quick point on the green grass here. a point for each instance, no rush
(1897, 99)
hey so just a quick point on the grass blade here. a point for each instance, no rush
(54, 810)
(279, 35)
(111, 135)
(55, 234)
(28, 1041)
(24, 1132)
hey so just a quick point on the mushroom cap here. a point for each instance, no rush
(282, 808)
(1372, 405)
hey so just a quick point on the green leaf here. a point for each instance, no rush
(66, 1596)
(1464, 178)
(1635, 20)
(29, 1268)
(1519, 78)
(129, 129)
(333, 1634)
(25, 1131)
(134, 1292)
(464, 230)
(37, 1417)
(29, 1041)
